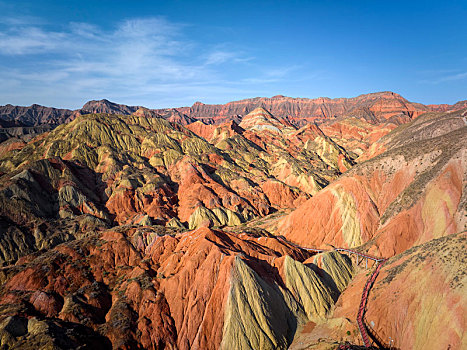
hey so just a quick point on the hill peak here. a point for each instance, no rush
(106, 106)
(261, 119)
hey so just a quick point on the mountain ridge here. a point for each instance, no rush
(217, 113)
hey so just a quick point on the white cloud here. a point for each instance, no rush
(29, 40)
(448, 75)
(217, 57)
(458, 76)
(140, 61)
(21, 20)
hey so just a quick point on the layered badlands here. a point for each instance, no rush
(142, 230)
(411, 190)
(136, 287)
(376, 107)
(143, 169)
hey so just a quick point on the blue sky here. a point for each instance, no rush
(172, 53)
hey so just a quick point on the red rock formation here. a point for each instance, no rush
(199, 188)
(377, 105)
(203, 130)
(282, 196)
(405, 196)
(376, 108)
(356, 135)
(150, 291)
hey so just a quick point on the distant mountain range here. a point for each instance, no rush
(374, 108)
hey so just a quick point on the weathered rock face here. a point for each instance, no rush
(205, 131)
(152, 288)
(374, 108)
(410, 194)
(377, 108)
(356, 135)
(175, 116)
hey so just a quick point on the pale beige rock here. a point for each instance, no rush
(255, 314)
(202, 215)
(338, 267)
(307, 287)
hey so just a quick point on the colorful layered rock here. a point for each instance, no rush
(410, 194)
(153, 288)
(142, 169)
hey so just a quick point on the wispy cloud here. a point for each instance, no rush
(445, 76)
(220, 56)
(217, 57)
(20, 20)
(458, 76)
(142, 60)
(29, 40)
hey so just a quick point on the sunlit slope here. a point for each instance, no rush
(412, 192)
